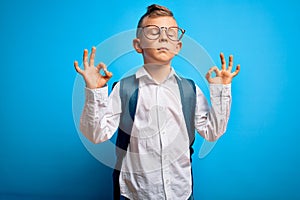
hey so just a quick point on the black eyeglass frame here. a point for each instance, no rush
(166, 31)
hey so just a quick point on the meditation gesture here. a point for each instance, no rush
(154, 112)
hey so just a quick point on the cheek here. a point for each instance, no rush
(149, 52)
(173, 48)
(146, 44)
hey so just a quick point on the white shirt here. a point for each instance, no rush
(157, 163)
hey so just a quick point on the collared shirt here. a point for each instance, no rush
(157, 163)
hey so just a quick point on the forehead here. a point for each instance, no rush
(160, 21)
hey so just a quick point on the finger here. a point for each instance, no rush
(223, 61)
(210, 71)
(216, 70)
(77, 68)
(237, 70)
(85, 59)
(92, 56)
(208, 77)
(230, 63)
(108, 74)
(101, 66)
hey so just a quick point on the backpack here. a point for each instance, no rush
(129, 96)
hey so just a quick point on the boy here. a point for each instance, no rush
(156, 162)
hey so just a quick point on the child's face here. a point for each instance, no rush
(162, 49)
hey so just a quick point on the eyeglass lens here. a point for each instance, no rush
(153, 32)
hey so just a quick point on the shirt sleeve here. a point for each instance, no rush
(211, 122)
(101, 114)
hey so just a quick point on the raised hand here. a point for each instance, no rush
(223, 76)
(91, 74)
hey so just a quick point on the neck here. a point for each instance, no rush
(158, 72)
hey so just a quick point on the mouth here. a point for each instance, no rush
(162, 49)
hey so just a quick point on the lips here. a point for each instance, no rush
(163, 48)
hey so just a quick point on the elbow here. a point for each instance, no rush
(211, 136)
(89, 134)
(94, 141)
(95, 135)
(211, 139)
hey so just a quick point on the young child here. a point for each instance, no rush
(156, 162)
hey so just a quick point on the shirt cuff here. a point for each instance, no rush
(217, 90)
(96, 94)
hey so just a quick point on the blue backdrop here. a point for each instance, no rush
(41, 153)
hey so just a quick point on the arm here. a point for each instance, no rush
(211, 123)
(100, 116)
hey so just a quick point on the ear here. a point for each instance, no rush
(178, 47)
(137, 45)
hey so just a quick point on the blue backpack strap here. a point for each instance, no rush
(187, 90)
(128, 95)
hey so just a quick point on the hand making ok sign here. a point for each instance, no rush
(91, 74)
(223, 76)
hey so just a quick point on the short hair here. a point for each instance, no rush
(154, 10)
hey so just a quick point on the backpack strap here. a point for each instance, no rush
(187, 90)
(128, 94)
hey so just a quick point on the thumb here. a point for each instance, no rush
(108, 74)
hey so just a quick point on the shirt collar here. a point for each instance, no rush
(142, 72)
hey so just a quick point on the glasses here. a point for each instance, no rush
(153, 32)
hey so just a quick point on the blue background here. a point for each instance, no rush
(41, 154)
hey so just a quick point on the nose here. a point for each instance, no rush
(163, 34)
